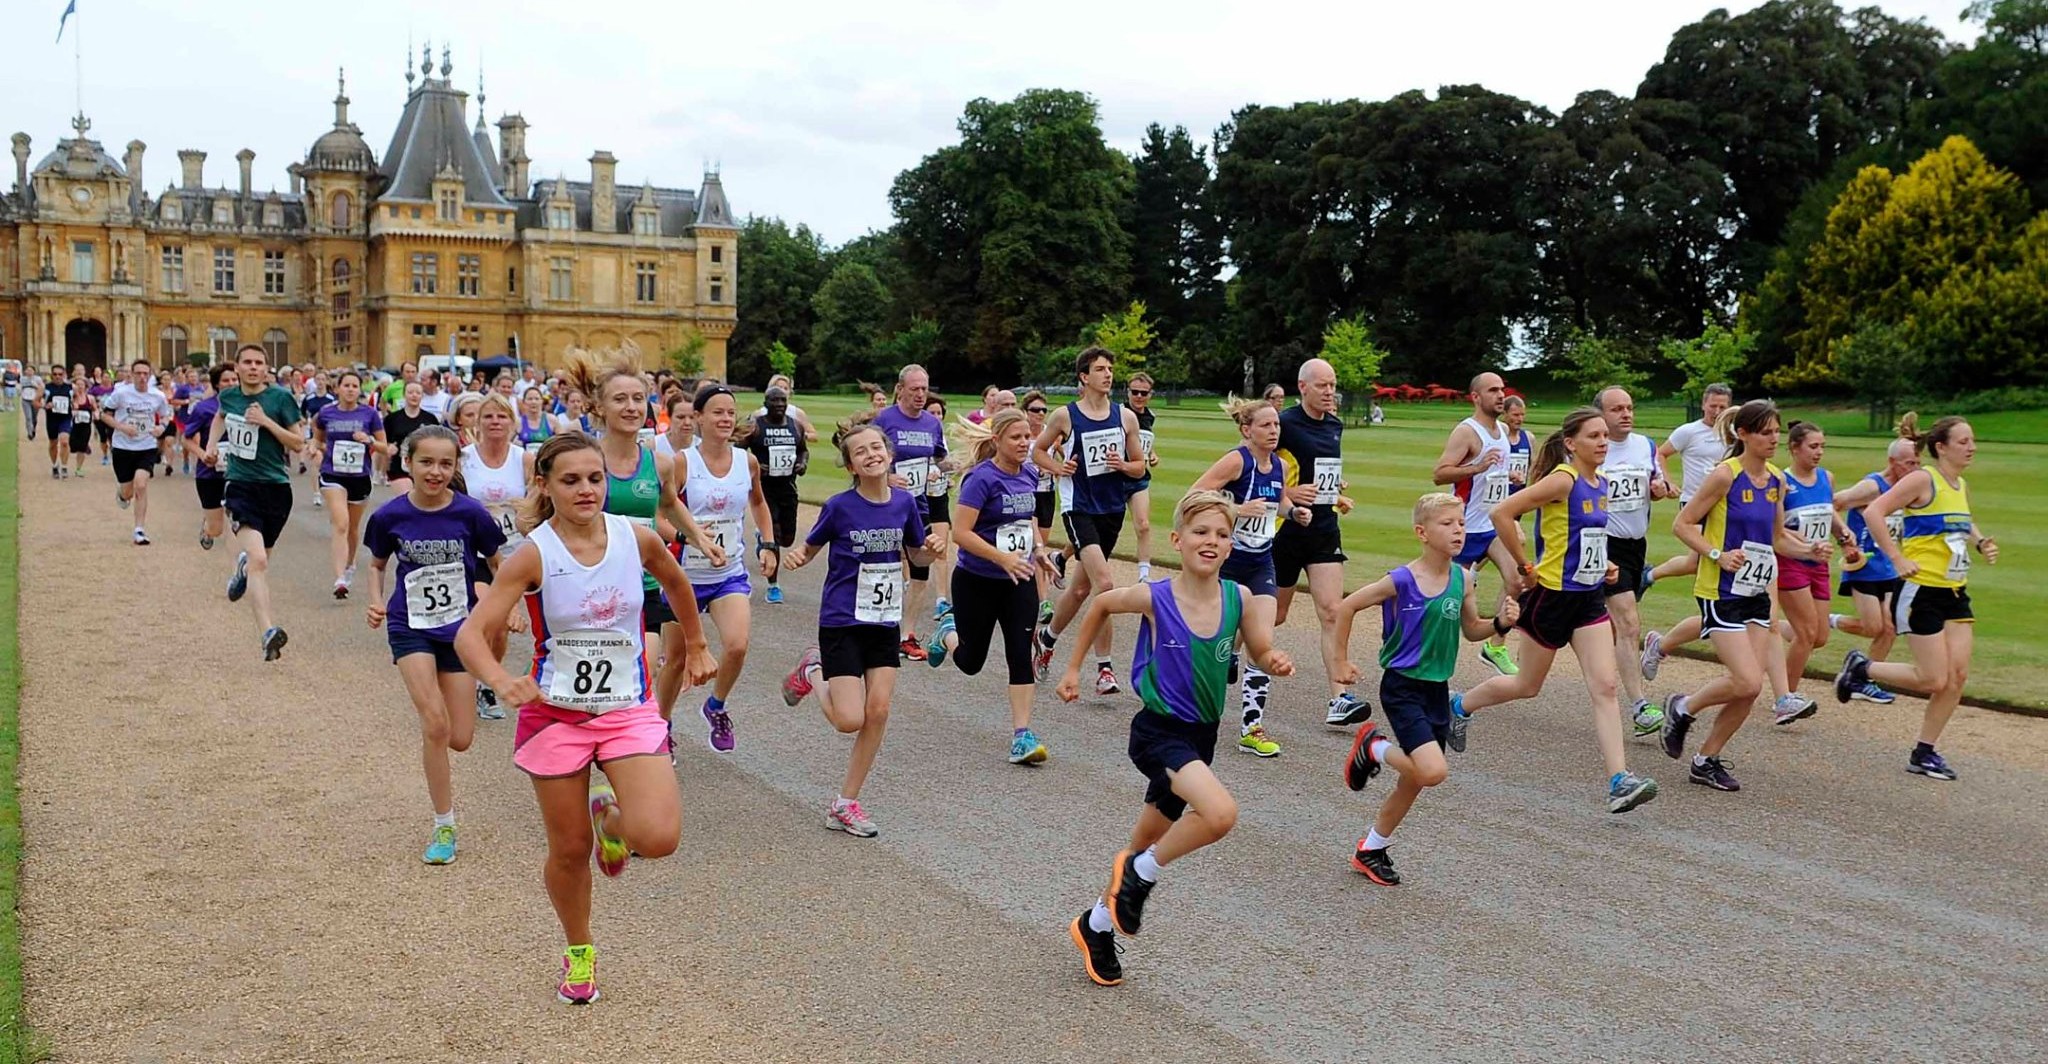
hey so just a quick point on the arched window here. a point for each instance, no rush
(278, 346)
(341, 271)
(224, 343)
(341, 213)
(171, 346)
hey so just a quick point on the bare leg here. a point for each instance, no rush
(1423, 768)
(1627, 621)
(338, 546)
(1941, 665)
(1326, 588)
(1595, 650)
(1210, 815)
(733, 615)
(1535, 660)
(441, 730)
(251, 542)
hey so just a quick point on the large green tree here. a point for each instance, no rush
(1996, 92)
(1176, 240)
(780, 271)
(852, 307)
(1016, 236)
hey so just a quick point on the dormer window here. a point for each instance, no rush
(563, 217)
(647, 223)
(223, 213)
(273, 215)
(170, 208)
(451, 205)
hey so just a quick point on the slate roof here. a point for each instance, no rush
(678, 207)
(195, 206)
(432, 133)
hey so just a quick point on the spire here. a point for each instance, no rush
(427, 60)
(340, 98)
(447, 64)
(408, 62)
(480, 97)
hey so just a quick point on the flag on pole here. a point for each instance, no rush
(70, 9)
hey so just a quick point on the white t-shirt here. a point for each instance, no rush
(436, 403)
(1699, 447)
(1630, 467)
(146, 411)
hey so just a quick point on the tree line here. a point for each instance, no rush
(1796, 194)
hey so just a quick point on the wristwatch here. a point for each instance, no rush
(1714, 555)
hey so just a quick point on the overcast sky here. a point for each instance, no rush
(811, 108)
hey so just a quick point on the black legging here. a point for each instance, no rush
(979, 605)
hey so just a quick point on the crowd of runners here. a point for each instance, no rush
(610, 518)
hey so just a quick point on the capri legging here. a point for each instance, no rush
(979, 605)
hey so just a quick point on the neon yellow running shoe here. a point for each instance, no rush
(1498, 657)
(1258, 743)
(579, 976)
(609, 851)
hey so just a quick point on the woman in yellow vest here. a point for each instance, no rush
(1932, 554)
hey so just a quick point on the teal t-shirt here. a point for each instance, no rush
(254, 455)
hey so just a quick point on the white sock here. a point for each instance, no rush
(1835, 620)
(1103, 663)
(1699, 760)
(1147, 866)
(1098, 918)
(1378, 748)
(445, 820)
(1144, 571)
(1376, 841)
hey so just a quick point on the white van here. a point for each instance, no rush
(442, 363)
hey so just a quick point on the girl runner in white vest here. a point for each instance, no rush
(589, 698)
(720, 484)
(495, 472)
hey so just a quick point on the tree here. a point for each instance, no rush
(1996, 92)
(686, 359)
(1348, 348)
(1589, 362)
(1016, 235)
(1880, 364)
(1128, 335)
(780, 271)
(1176, 239)
(850, 306)
(916, 345)
(782, 360)
(1714, 356)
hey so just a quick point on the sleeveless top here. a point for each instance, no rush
(1938, 535)
(719, 503)
(1483, 491)
(1746, 519)
(1177, 673)
(1254, 536)
(587, 649)
(636, 498)
(1521, 450)
(1095, 487)
(1419, 633)
(1810, 508)
(501, 490)
(1874, 566)
(1571, 535)
(535, 434)
(1145, 421)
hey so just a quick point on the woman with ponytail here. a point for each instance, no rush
(1932, 554)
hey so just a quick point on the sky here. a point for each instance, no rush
(809, 109)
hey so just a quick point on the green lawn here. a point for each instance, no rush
(16, 1043)
(1388, 466)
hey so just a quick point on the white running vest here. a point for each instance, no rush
(1629, 466)
(719, 503)
(588, 653)
(501, 490)
(1490, 487)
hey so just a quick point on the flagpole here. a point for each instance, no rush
(78, 63)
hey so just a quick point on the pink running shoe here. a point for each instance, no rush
(798, 684)
(609, 851)
(579, 976)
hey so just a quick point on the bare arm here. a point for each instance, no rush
(1687, 525)
(488, 623)
(662, 566)
(1041, 450)
(1348, 610)
(1451, 466)
(1136, 599)
(1507, 513)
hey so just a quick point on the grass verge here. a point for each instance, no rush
(17, 1043)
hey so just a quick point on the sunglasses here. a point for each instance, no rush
(1137, 392)
(1034, 410)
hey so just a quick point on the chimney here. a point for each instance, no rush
(21, 143)
(247, 158)
(298, 178)
(512, 154)
(604, 206)
(133, 163)
(193, 163)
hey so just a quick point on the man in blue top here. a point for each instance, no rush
(1092, 446)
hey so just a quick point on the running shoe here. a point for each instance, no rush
(1461, 722)
(579, 976)
(238, 584)
(1098, 951)
(722, 740)
(1375, 865)
(205, 541)
(1044, 612)
(847, 815)
(1105, 681)
(1649, 580)
(1676, 723)
(1713, 772)
(1626, 790)
(1653, 654)
(1930, 765)
(340, 588)
(141, 538)
(1647, 718)
(273, 643)
(1041, 656)
(940, 607)
(1870, 692)
(1793, 707)
(1127, 894)
(1361, 766)
(487, 707)
(1497, 655)
(774, 595)
(1025, 749)
(318, 503)
(911, 648)
(103, 458)
(935, 648)
(120, 499)
(797, 684)
(442, 849)
(1855, 673)
(1256, 742)
(1347, 709)
(56, 474)
(1059, 575)
(607, 849)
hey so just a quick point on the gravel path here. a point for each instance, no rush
(223, 866)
